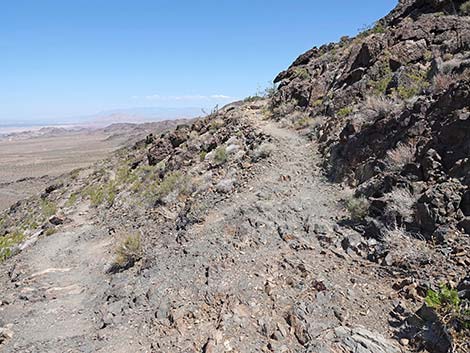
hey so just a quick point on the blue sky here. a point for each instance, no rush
(63, 58)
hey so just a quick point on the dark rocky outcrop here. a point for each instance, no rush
(392, 108)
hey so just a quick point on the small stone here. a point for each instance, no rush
(404, 341)
(55, 220)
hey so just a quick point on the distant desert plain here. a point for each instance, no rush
(29, 161)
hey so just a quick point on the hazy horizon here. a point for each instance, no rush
(69, 59)
(130, 115)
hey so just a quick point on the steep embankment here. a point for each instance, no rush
(226, 235)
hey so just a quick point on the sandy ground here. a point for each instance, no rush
(39, 159)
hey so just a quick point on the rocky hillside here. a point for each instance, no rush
(331, 215)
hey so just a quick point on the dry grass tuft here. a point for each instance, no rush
(128, 252)
(406, 249)
(442, 82)
(403, 202)
(380, 107)
(403, 154)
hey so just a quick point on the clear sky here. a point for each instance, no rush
(62, 58)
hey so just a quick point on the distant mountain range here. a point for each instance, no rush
(140, 115)
(107, 117)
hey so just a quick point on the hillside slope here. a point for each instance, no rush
(329, 216)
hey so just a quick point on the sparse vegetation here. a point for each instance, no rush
(7, 243)
(267, 92)
(48, 208)
(379, 85)
(250, 99)
(74, 174)
(263, 151)
(465, 8)
(380, 106)
(418, 82)
(128, 252)
(72, 200)
(444, 297)
(300, 120)
(345, 111)
(216, 124)
(50, 231)
(172, 182)
(302, 73)
(358, 208)
(125, 176)
(367, 30)
(407, 92)
(220, 155)
(453, 312)
(202, 155)
(317, 103)
(99, 194)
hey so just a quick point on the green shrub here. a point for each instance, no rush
(445, 297)
(50, 231)
(358, 208)
(101, 194)
(251, 99)
(270, 91)
(7, 242)
(216, 124)
(303, 122)
(220, 156)
(453, 312)
(418, 82)
(48, 208)
(345, 111)
(380, 86)
(317, 103)
(378, 28)
(72, 200)
(465, 8)
(407, 92)
(29, 222)
(172, 182)
(202, 156)
(302, 73)
(367, 30)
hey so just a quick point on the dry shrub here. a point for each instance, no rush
(406, 249)
(127, 253)
(442, 82)
(403, 202)
(449, 66)
(380, 107)
(403, 154)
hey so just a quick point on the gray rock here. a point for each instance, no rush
(232, 149)
(358, 340)
(225, 185)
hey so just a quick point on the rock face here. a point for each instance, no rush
(391, 109)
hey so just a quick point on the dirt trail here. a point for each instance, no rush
(53, 286)
(262, 271)
(254, 275)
